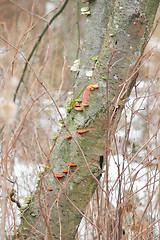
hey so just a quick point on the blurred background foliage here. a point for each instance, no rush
(21, 24)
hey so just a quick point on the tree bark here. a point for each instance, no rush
(117, 34)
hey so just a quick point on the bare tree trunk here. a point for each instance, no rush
(117, 34)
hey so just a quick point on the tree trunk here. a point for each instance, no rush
(117, 34)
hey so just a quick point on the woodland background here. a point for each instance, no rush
(137, 136)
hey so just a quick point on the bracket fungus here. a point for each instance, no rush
(85, 104)
(93, 86)
(77, 105)
(58, 176)
(65, 171)
(78, 109)
(81, 131)
(68, 137)
(72, 164)
(85, 11)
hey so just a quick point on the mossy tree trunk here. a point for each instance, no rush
(117, 34)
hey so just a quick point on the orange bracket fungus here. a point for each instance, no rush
(92, 88)
(95, 86)
(86, 94)
(77, 105)
(78, 109)
(58, 176)
(89, 86)
(72, 164)
(65, 171)
(85, 104)
(68, 137)
(81, 131)
(50, 189)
